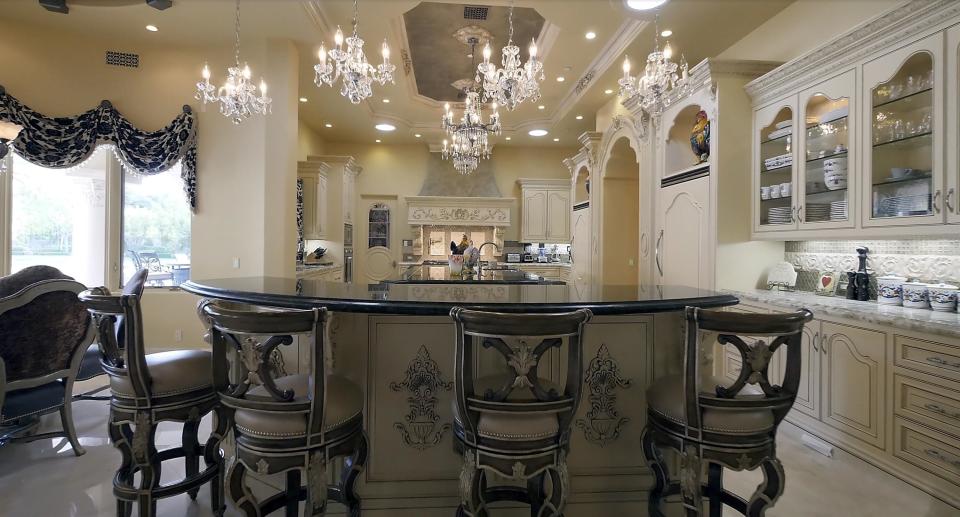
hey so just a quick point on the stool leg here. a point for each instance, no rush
(352, 470)
(191, 455)
(293, 492)
(536, 493)
(715, 487)
(316, 503)
(239, 493)
(121, 437)
(690, 485)
(148, 463)
(769, 490)
(660, 472)
(472, 487)
(213, 456)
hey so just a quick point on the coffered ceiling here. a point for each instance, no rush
(427, 54)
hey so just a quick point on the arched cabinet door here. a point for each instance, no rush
(952, 196)
(903, 108)
(683, 252)
(854, 375)
(808, 392)
(774, 166)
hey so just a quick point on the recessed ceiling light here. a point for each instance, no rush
(385, 127)
(556, 139)
(667, 33)
(378, 140)
(328, 125)
(608, 92)
(509, 138)
(579, 117)
(537, 132)
(561, 78)
(590, 35)
(152, 28)
(417, 135)
(303, 99)
(386, 101)
(541, 107)
(643, 5)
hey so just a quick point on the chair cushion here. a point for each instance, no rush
(32, 401)
(518, 426)
(90, 366)
(665, 397)
(173, 373)
(344, 403)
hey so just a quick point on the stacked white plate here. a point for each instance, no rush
(899, 206)
(838, 210)
(780, 215)
(774, 162)
(817, 212)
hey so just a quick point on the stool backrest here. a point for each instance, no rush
(522, 340)
(128, 359)
(730, 328)
(253, 333)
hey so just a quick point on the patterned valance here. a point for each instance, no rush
(67, 141)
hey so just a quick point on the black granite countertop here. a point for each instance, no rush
(427, 274)
(439, 298)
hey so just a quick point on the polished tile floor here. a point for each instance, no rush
(44, 478)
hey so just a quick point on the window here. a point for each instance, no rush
(96, 222)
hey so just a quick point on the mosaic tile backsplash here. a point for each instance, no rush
(924, 259)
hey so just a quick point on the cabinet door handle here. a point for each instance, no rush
(947, 200)
(823, 343)
(800, 214)
(793, 214)
(942, 362)
(815, 337)
(657, 252)
(933, 453)
(936, 201)
(941, 411)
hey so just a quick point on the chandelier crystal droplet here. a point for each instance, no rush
(661, 76)
(237, 97)
(351, 65)
(515, 82)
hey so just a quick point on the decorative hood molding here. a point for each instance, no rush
(459, 211)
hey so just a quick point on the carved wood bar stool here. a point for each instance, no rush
(291, 424)
(734, 426)
(145, 390)
(515, 425)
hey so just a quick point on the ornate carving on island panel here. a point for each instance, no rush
(601, 425)
(422, 381)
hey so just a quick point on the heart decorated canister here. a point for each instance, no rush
(890, 290)
(915, 295)
(943, 297)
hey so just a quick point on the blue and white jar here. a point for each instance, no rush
(890, 290)
(943, 297)
(915, 295)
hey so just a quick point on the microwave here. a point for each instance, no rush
(513, 257)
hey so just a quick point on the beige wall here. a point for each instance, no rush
(245, 179)
(309, 141)
(803, 26)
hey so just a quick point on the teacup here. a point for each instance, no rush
(943, 297)
(764, 192)
(774, 191)
(785, 189)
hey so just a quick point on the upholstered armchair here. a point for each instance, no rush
(44, 332)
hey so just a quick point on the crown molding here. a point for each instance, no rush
(907, 22)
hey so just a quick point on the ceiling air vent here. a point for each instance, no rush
(474, 12)
(123, 59)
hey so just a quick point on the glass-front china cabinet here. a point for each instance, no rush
(775, 159)
(827, 170)
(903, 153)
(951, 199)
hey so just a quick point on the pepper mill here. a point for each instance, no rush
(851, 285)
(863, 276)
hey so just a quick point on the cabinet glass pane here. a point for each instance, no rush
(776, 170)
(825, 160)
(902, 137)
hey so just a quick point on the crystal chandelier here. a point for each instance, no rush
(660, 77)
(470, 136)
(514, 83)
(237, 97)
(351, 64)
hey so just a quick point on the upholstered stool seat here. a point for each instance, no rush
(173, 373)
(344, 406)
(665, 398)
(495, 425)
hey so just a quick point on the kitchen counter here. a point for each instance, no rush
(306, 270)
(920, 320)
(441, 275)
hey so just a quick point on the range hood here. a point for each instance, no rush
(459, 211)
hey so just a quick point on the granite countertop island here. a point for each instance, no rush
(428, 274)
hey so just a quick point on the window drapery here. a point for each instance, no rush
(62, 142)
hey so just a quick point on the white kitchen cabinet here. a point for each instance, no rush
(349, 195)
(315, 201)
(683, 254)
(854, 381)
(808, 393)
(774, 164)
(545, 208)
(951, 199)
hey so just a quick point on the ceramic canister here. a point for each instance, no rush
(943, 297)
(915, 295)
(889, 290)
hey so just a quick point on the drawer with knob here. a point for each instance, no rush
(930, 357)
(930, 401)
(927, 449)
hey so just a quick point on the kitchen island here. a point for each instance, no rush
(396, 340)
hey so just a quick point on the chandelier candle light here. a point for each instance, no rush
(237, 97)
(514, 83)
(660, 77)
(470, 135)
(351, 64)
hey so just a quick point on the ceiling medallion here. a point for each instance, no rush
(660, 77)
(237, 97)
(351, 65)
(470, 136)
(514, 83)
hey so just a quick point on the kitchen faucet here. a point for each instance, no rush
(480, 260)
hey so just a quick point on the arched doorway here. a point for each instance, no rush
(621, 216)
